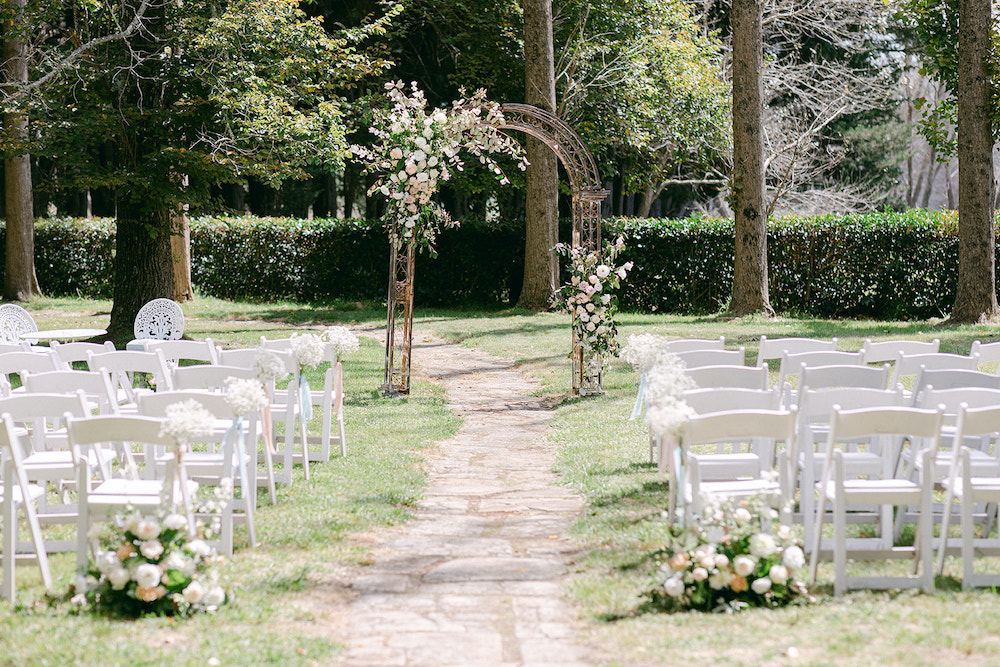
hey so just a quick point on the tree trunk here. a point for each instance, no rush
(750, 290)
(541, 270)
(143, 264)
(180, 246)
(20, 282)
(976, 297)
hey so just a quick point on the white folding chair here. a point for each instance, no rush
(891, 426)
(827, 377)
(737, 474)
(911, 364)
(723, 399)
(18, 363)
(745, 377)
(68, 353)
(972, 483)
(234, 460)
(689, 344)
(121, 366)
(888, 350)
(95, 385)
(988, 353)
(18, 493)
(793, 363)
(696, 358)
(99, 498)
(176, 351)
(812, 431)
(778, 347)
(953, 379)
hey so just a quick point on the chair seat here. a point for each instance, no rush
(983, 488)
(877, 491)
(739, 488)
(727, 466)
(123, 492)
(34, 491)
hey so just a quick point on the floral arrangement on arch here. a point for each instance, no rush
(151, 566)
(733, 558)
(417, 148)
(589, 299)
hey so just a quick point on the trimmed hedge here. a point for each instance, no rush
(885, 265)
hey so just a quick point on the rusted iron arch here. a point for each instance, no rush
(560, 137)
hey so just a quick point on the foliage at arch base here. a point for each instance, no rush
(416, 149)
(151, 565)
(735, 557)
(589, 298)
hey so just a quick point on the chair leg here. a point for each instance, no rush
(968, 552)
(9, 534)
(817, 539)
(839, 545)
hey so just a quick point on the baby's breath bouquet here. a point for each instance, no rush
(342, 340)
(151, 565)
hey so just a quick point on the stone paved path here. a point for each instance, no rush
(477, 577)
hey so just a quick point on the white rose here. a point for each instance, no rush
(590, 307)
(199, 548)
(762, 545)
(778, 574)
(147, 575)
(761, 586)
(621, 273)
(119, 578)
(743, 565)
(719, 580)
(591, 326)
(214, 597)
(674, 587)
(742, 515)
(151, 549)
(396, 154)
(193, 592)
(107, 561)
(721, 561)
(147, 529)
(793, 558)
(699, 574)
(174, 522)
(605, 299)
(603, 271)
(784, 532)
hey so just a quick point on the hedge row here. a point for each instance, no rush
(886, 265)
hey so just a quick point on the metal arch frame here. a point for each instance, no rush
(588, 194)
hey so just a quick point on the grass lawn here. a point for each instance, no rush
(603, 456)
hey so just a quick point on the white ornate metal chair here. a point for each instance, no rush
(14, 321)
(159, 319)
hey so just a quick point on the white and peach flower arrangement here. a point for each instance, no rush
(151, 566)
(589, 297)
(417, 148)
(732, 558)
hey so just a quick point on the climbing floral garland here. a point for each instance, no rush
(417, 149)
(589, 297)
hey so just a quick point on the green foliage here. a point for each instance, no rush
(887, 265)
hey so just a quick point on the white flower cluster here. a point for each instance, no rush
(268, 367)
(588, 298)
(418, 148)
(245, 395)
(308, 349)
(666, 381)
(342, 340)
(154, 566)
(731, 565)
(186, 421)
(642, 350)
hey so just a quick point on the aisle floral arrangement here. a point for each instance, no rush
(417, 148)
(730, 560)
(151, 565)
(589, 298)
(342, 340)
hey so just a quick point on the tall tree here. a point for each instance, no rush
(208, 93)
(750, 287)
(541, 270)
(976, 296)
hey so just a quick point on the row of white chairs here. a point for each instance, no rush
(52, 395)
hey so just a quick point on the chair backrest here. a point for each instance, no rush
(911, 364)
(689, 344)
(42, 412)
(67, 353)
(185, 350)
(746, 377)
(974, 422)
(160, 319)
(816, 405)
(121, 364)
(952, 399)
(988, 352)
(793, 363)
(725, 399)
(888, 350)
(155, 405)
(696, 358)
(207, 376)
(920, 426)
(778, 347)
(14, 321)
(20, 363)
(95, 385)
(820, 377)
(948, 378)
(742, 426)
(116, 428)
(247, 356)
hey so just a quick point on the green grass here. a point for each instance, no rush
(603, 456)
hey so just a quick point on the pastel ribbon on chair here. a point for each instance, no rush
(338, 388)
(234, 436)
(639, 398)
(305, 397)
